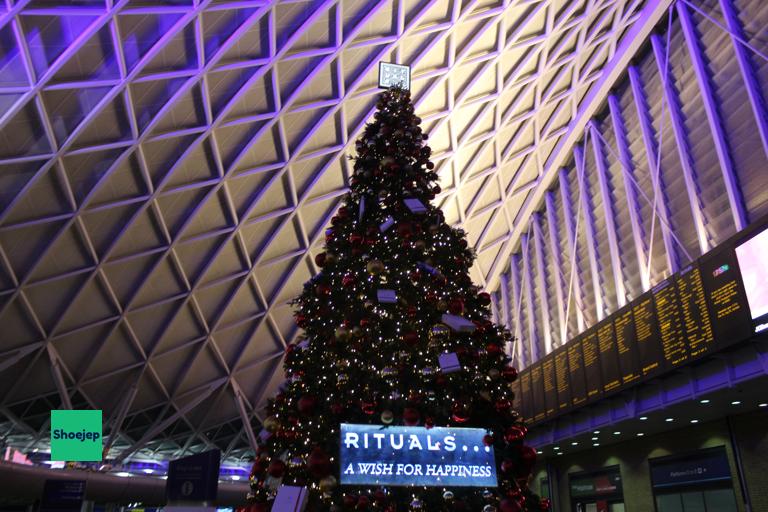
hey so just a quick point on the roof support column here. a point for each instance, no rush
(589, 230)
(541, 282)
(627, 169)
(574, 283)
(659, 207)
(554, 251)
(533, 339)
(681, 140)
(732, 188)
(610, 224)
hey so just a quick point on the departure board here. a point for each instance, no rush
(550, 386)
(537, 390)
(626, 345)
(591, 354)
(562, 379)
(576, 367)
(731, 319)
(609, 356)
(670, 318)
(697, 325)
(526, 397)
(649, 351)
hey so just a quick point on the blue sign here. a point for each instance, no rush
(411, 456)
(703, 467)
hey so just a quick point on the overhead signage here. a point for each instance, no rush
(194, 478)
(76, 435)
(415, 456)
(596, 484)
(712, 303)
(702, 467)
(62, 495)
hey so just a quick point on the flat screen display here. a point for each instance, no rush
(591, 355)
(726, 299)
(609, 357)
(576, 367)
(537, 390)
(670, 320)
(562, 380)
(647, 335)
(405, 456)
(525, 402)
(626, 345)
(550, 389)
(753, 265)
(697, 324)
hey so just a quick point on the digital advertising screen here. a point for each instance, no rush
(752, 256)
(415, 456)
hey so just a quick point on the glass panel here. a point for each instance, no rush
(720, 500)
(616, 507)
(693, 501)
(669, 503)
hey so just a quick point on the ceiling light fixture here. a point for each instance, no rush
(617, 433)
(694, 421)
(704, 401)
(640, 434)
(736, 402)
(643, 418)
(668, 420)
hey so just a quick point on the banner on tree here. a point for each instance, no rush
(404, 456)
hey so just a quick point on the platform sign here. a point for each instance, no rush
(415, 456)
(194, 478)
(62, 495)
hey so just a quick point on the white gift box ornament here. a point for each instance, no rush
(458, 323)
(386, 296)
(415, 205)
(449, 362)
(290, 499)
(388, 223)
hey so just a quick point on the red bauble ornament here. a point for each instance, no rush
(502, 405)
(307, 404)
(276, 469)
(337, 409)
(368, 406)
(318, 463)
(515, 433)
(349, 500)
(363, 502)
(507, 466)
(493, 349)
(411, 416)
(320, 259)
(544, 504)
(484, 298)
(301, 320)
(404, 229)
(460, 412)
(429, 422)
(322, 290)
(509, 373)
(411, 338)
(488, 440)
(380, 496)
(348, 280)
(355, 238)
(509, 505)
(456, 306)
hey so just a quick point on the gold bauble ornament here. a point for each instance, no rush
(494, 373)
(328, 483)
(271, 424)
(439, 332)
(330, 258)
(419, 245)
(342, 333)
(356, 331)
(442, 306)
(387, 417)
(375, 267)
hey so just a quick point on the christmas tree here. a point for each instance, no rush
(395, 334)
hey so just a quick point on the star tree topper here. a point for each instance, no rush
(394, 74)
